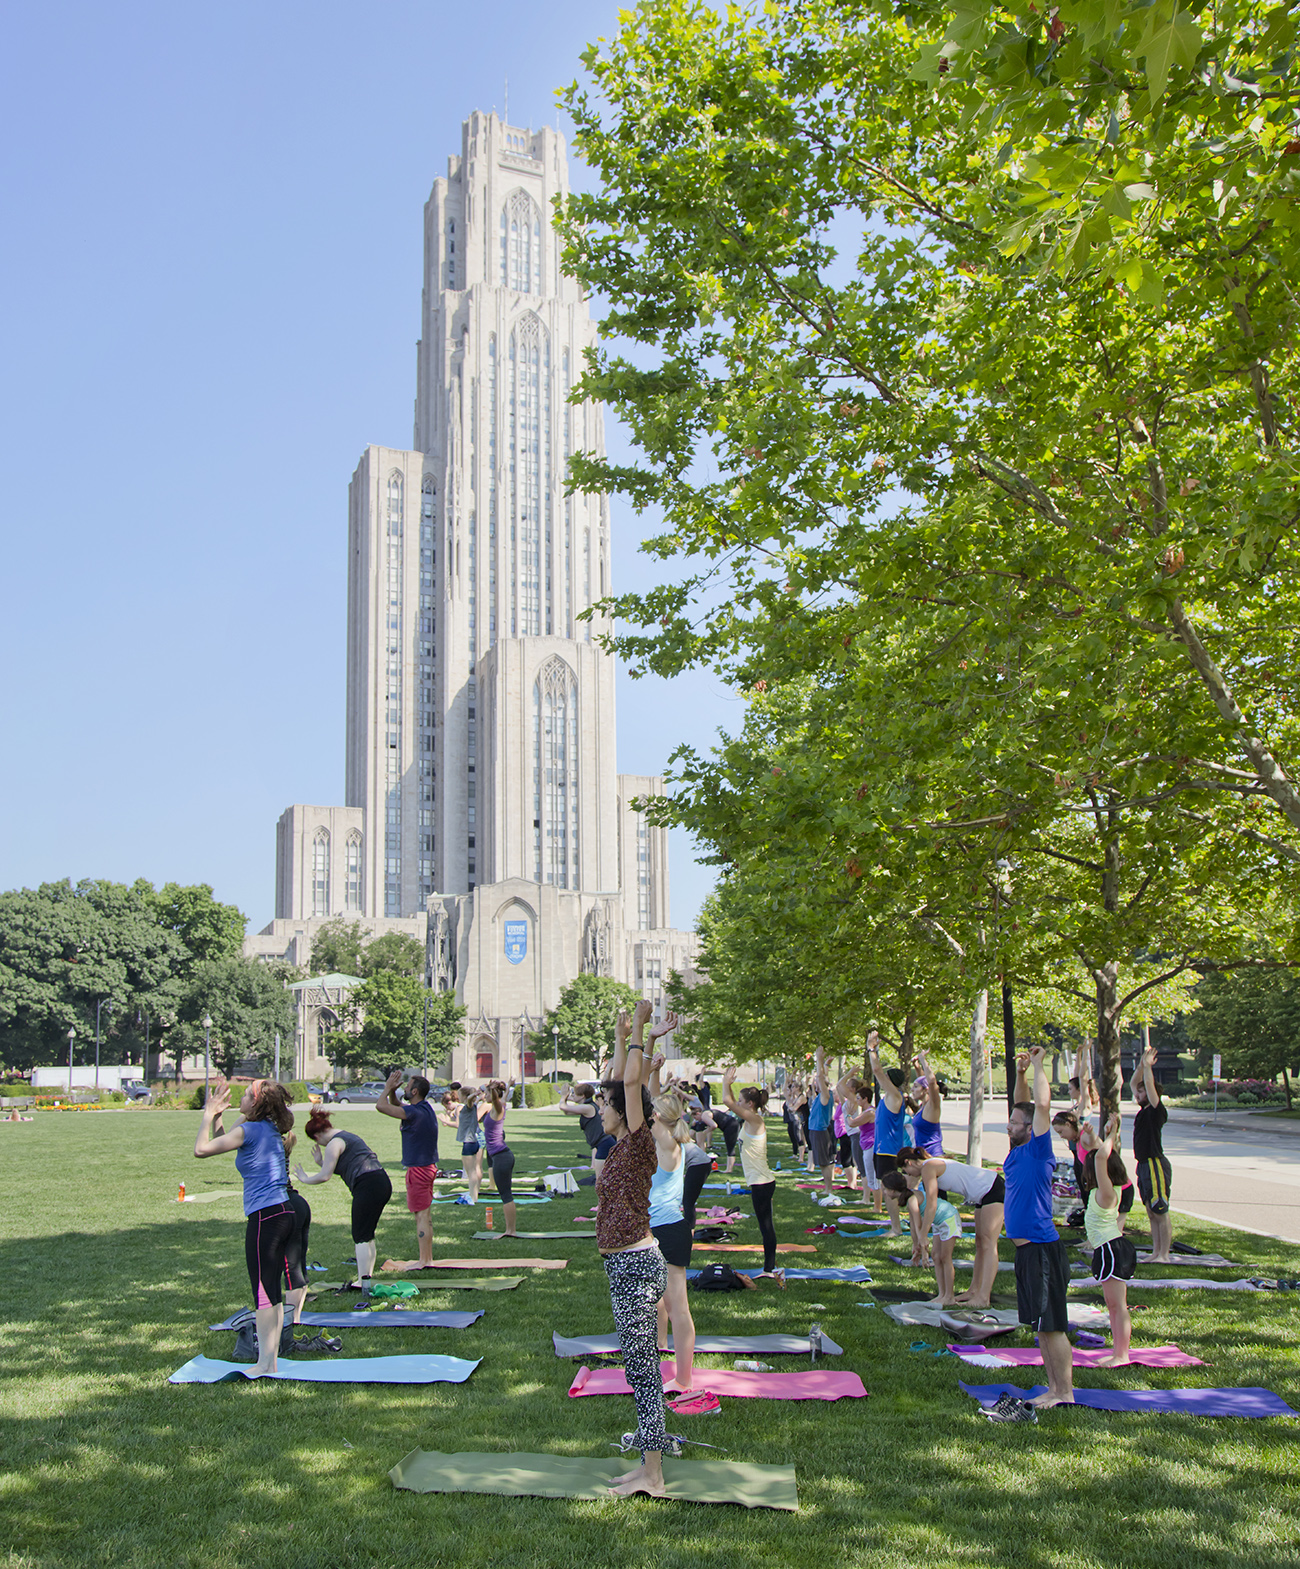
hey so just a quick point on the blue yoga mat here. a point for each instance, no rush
(493, 1198)
(1178, 1402)
(854, 1272)
(722, 1187)
(381, 1318)
(342, 1370)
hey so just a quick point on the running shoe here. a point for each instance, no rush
(695, 1402)
(461, 1199)
(318, 1342)
(1009, 1408)
(631, 1441)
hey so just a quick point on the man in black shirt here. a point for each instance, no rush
(1153, 1169)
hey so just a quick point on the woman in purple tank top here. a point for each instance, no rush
(498, 1152)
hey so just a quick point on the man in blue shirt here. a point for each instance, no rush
(1042, 1268)
(419, 1119)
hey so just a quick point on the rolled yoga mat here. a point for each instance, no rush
(723, 1345)
(1166, 1402)
(855, 1274)
(564, 1476)
(391, 1265)
(532, 1236)
(493, 1198)
(381, 1318)
(1084, 1356)
(809, 1384)
(1143, 1283)
(498, 1283)
(751, 1247)
(341, 1370)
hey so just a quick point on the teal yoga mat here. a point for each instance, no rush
(565, 1476)
(342, 1370)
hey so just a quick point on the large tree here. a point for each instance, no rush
(248, 1005)
(1252, 1019)
(586, 1015)
(382, 1025)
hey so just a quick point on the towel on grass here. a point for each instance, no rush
(1246, 1401)
(1031, 1356)
(339, 1370)
(721, 1345)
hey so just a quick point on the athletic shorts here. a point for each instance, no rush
(605, 1148)
(503, 1170)
(1153, 1183)
(949, 1231)
(869, 1168)
(997, 1194)
(267, 1236)
(823, 1146)
(674, 1242)
(370, 1192)
(1114, 1260)
(884, 1163)
(471, 1149)
(296, 1252)
(419, 1187)
(1042, 1277)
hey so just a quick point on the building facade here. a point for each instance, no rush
(480, 765)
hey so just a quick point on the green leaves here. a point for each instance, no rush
(1170, 37)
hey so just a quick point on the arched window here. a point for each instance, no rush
(521, 244)
(352, 881)
(320, 872)
(555, 774)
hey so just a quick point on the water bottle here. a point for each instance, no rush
(753, 1367)
(180, 1197)
(814, 1341)
(488, 1218)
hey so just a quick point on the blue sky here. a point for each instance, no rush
(211, 279)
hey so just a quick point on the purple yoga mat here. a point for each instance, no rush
(810, 1385)
(1170, 1402)
(1031, 1356)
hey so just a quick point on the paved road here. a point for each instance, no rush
(1237, 1175)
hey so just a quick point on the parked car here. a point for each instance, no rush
(136, 1089)
(359, 1094)
(317, 1093)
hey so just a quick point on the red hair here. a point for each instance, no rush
(319, 1122)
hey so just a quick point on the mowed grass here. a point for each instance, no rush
(108, 1285)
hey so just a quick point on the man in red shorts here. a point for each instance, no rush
(419, 1121)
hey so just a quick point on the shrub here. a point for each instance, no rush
(541, 1093)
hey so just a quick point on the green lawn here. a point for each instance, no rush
(108, 1285)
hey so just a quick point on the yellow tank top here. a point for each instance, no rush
(1101, 1225)
(753, 1155)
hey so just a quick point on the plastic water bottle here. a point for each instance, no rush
(180, 1197)
(488, 1218)
(814, 1341)
(753, 1367)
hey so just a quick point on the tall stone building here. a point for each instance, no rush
(484, 808)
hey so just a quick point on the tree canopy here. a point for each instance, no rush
(383, 1022)
(344, 947)
(586, 1014)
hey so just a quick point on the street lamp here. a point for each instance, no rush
(72, 1035)
(207, 1041)
(555, 1043)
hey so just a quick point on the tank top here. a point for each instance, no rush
(891, 1129)
(968, 1182)
(1099, 1224)
(753, 1156)
(356, 1160)
(837, 1120)
(262, 1163)
(493, 1132)
(467, 1125)
(867, 1135)
(927, 1135)
(593, 1129)
(943, 1215)
(666, 1195)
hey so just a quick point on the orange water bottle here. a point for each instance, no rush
(180, 1197)
(488, 1221)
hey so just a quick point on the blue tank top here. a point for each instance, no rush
(261, 1162)
(927, 1135)
(666, 1189)
(891, 1129)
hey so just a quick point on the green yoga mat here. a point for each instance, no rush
(563, 1476)
(531, 1236)
(496, 1283)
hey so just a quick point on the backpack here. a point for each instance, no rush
(718, 1277)
(712, 1234)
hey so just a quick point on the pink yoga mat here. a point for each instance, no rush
(1031, 1356)
(810, 1385)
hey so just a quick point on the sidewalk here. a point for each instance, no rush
(1230, 1120)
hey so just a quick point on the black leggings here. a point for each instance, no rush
(267, 1236)
(296, 1252)
(692, 1183)
(761, 1198)
(730, 1130)
(370, 1192)
(846, 1151)
(503, 1165)
(795, 1129)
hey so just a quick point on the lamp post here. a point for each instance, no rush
(72, 1035)
(207, 1042)
(555, 1044)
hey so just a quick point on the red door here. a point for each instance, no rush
(484, 1064)
(530, 1065)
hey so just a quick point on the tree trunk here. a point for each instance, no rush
(1286, 1085)
(975, 1121)
(1110, 1079)
(1009, 1043)
(905, 1049)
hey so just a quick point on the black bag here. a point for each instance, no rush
(712, 1234)
(718, 1277)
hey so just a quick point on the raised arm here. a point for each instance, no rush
(208, 1142)
(329, 1158)
(933, 1107)
(632, 1067)
(1042, 1091)
(1101, 1162)
(1022, 1077)
(386, 1103)
(1147, 1067)
(889, 1091)
(824, 1092)
(1083, 1072)
(621, 1028)
(651, 1072)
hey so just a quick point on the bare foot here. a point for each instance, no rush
(970, 1302)
(637, 1481)
(1047, 1398)
(1114, 1360)
(677, 1386)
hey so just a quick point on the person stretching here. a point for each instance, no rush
(471, 1148)
(933, 1218)
(821, 1134)
(862, 1120)
(1113, 1256)
(634, 1266)
(500, 1156)
(1153, 1168)
(1042, 1269)
(794, 1097)
(348, 1154)
(844, 1142)
(271, 1220)
(749, 1109)
(585, 1106)
(419, 1120)
(977, 1185)
(891, 1127)
(927, 1132)
(669, 1226)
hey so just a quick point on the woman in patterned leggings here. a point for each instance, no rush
(638, 1276)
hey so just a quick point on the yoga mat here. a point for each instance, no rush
(752, 1247)
(341, 1370)
(982, 1323)
(857, 1274)
(531, 1236)
(957, 1263)
(381, 1318)
(493, 1198)
(1200, 1261)
(389, 1266)
(1147, 1283)
(207, 1198)
(1139, 1356)
(810, 1384)
(562, 1476)
(1170, 1402)
(724, 1345)
(500, 1283)
(733, 1188)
